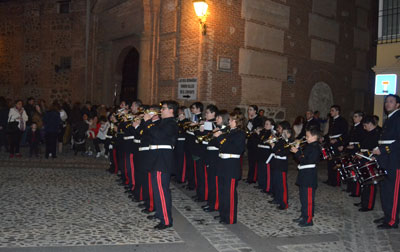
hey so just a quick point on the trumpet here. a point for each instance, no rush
(190, 127)
(210, 136)
(298, 143)
(272, 139)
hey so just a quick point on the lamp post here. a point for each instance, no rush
(200, 7)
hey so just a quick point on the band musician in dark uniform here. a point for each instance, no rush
(336, 137)
(388, 155)
(163, 141)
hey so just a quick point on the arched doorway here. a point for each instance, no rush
(321, 98)
(130, 76)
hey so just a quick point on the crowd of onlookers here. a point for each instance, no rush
(51, 126)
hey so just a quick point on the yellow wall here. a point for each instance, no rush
(386, 63)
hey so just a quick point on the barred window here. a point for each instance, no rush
(389, 21)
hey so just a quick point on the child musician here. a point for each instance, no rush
(307, 176)
(279, 166)
(231, 146)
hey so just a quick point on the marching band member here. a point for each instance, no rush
(356, 134)
(163, 141)
(200, 152)
(307, 176)
(367, 143)
(337, 135)
(180, 154)
(388, 154)
(196, 109)
(231, 146)
(264, 150)
(280, 166)
(145, 157)
(211, 159)
(253, 123)
(311, 121)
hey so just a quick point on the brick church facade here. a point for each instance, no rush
(283, 55)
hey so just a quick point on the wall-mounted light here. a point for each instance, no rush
(200, 7)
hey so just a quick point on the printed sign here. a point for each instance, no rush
(187, 89)
(385, 84)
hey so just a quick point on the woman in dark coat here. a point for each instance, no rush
(52, 123)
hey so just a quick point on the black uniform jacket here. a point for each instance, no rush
(144, 156)
(370, 140)
(263, 149)
(281, 156)
(165, 133)
(390, 152)
(253, 139)
(310, 156)
(311, 123)
(356, 135)
(338, 130)
(231, 143)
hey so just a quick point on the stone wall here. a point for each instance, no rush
(35, 44)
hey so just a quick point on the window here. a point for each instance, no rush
(63, 7)
(389, 21)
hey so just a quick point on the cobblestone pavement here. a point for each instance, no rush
(71, 202)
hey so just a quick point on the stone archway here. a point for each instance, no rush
(321, 98)
(129, 70)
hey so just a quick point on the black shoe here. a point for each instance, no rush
(257, 187)
(380, 220)
(189, 188)
(263, 191)
(151, 217)
(134, 199)
(273, 202)
(326, 182)
(282, 207)
(217, 217)
(298, 219)
(143, 205)
(387, 226)
(357, 204)
(199, 200)
(128, 191)
(161, 226)
(353, 195)
(306, 224)
(194, 197)
(205, 206)
(179, 182)
(223, 222)
(362, 209)
(209, 210)
(146, 211)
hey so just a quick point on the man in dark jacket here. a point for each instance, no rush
(163, 141)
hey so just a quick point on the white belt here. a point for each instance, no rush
(354, 143)
(212, 148)
(129, 137)
(272, 155)
(264, 146)
(181, 139)
(308, 166)
(144, 148)
(335, 136)
(110, 147)
(107, 136)
(136, 141)
(166, 147)
(364, 150)
(386, 141)
(227, 156)
(204, 142)
(190, 132)
(280, 157)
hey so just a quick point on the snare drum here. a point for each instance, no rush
(370, 173)
(347, 167)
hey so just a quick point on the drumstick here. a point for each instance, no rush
(367, 158)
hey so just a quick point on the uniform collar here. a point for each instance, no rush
(356, 124)
(392, 113)
(336, 117)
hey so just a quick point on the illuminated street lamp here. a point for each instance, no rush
(200, 7)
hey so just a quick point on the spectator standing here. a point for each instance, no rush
(52, 122)
(3, 122)
(63, 126)
(298, 126)
(16, 125)
(101, 136)
(38, 119)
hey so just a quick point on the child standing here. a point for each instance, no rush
(34, 140)
(307, 176)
